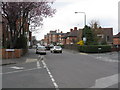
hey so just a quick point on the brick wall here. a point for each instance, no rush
(17, 53)
(116, 41)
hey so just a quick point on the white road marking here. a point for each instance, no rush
(106, 81)
(40, 57)
(31, 60)
(51, 77)
(19, 71)
(38, 64)
(83, 53)
(106, 59)
(15, 67)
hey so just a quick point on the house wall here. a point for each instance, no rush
(104, 35)
(116, 41)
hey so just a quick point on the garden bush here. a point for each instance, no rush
(95, 48)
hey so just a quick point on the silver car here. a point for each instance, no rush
(41, 50)
(56, 49)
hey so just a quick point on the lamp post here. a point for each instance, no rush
(84, 17)
(84, 38)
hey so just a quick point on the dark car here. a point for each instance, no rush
(48, 47)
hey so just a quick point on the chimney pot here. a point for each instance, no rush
(75, 28)
(71, 30)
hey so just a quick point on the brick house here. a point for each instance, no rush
(116, 40)
(53, 38)
(5, 31)
(71, 37)
(45, 40)
(105, 35)
(59, 37)
(64, 38)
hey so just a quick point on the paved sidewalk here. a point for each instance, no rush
(29, 55)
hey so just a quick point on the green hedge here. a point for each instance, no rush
(95, 48)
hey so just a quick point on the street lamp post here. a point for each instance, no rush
(84, 38)
(84, 17)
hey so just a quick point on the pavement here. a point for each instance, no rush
(30, 55)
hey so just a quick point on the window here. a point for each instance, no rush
(107, 38)
(100, 35)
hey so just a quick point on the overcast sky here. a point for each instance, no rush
(104, 11)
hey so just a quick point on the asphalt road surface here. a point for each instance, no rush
(67, 70)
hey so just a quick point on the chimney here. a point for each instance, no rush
(71, 30)
(75, 28)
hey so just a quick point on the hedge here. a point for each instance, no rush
(95, 48)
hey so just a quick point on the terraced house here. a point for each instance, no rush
(53, 37)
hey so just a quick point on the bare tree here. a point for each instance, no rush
(19, 14)
(94, 24)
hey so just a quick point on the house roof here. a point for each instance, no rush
(66, 35)
(52, 32)
(117, 35)
(60, 33)
(74, 33)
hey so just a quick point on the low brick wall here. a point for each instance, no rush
(7, 54)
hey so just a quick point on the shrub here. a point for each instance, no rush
(95, 48)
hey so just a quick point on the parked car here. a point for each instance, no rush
(49, 47)
(41, 50)
(34, 46)
(56, 49)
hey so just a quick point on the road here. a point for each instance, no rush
(67, 70)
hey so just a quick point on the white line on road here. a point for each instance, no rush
(19, 71)
(106, 81)
(30, 60)
(53, 80)
(38, 64)
(15, 67)
(106, 59)
(83, 53)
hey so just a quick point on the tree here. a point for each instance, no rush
(91, 39)
(94, 24)
(21, 14)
